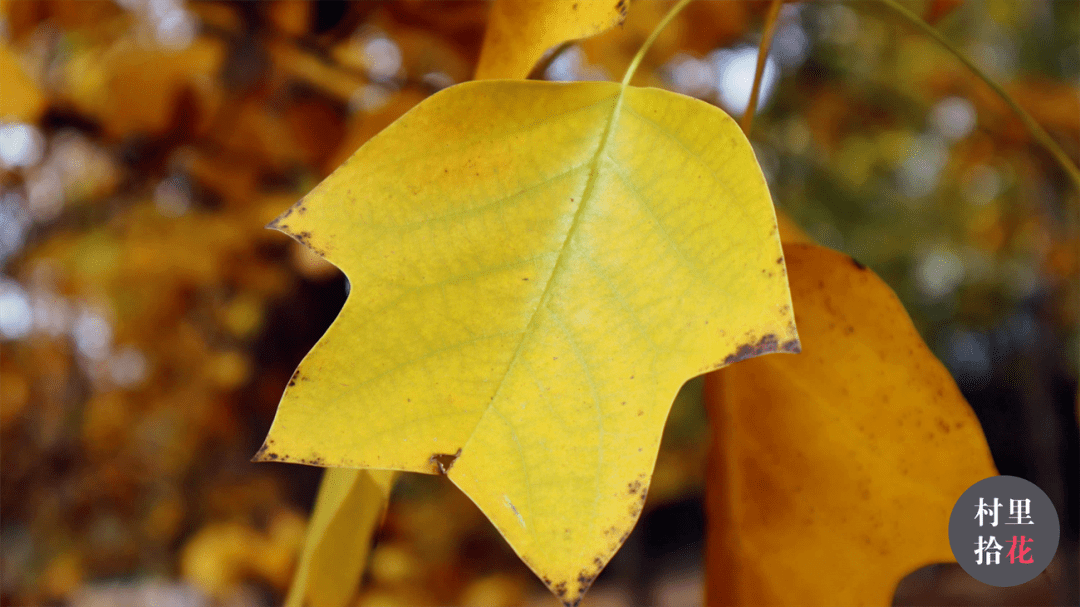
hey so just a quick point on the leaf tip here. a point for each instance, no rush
(264, 454)
(279, 224)
(792, 346)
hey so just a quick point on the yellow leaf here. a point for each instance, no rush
(348, 510)
(21, 100)
(536, 269)
(520, 31)
(834, 472)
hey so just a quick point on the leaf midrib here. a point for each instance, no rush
(545, 295)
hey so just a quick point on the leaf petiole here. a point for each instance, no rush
(652, 38)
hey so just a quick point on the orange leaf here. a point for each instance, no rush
(833, 472)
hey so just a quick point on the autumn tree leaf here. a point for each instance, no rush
(510, 48)
(520, 31)
(537, 268)
(348, 510)
(833, 473)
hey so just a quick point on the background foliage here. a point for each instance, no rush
(149, 323)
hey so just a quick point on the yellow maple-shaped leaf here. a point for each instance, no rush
(348, 510)
(520, 31)
(536, 269)
(834, 472)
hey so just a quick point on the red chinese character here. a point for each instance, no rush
(1020, 553)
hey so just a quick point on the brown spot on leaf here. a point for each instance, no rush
(765, 345)
(587, 577)
(296, 377)
(316, 460)
(304, 238)
(792, 346)
(638, 505)
(262, 454)
(279, 223)
(442, 462)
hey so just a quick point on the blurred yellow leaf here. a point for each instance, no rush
(292, 17)
(834, 472)
(21, 100)
(348, 510)
(135, 89)
(219, 555)
(520, 31)
(506, 324)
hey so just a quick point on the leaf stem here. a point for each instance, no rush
(681, 4)
(1032, 126)
(763, 54)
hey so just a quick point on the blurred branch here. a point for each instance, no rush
(1032, 126)
(763, 55)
